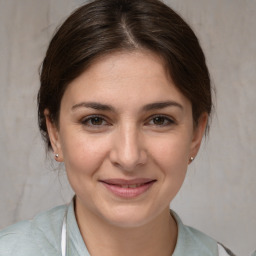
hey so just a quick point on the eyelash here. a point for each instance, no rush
(166, 121)
(88, 121)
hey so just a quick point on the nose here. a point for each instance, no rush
(128, 151)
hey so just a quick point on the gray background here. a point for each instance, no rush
(218, 196)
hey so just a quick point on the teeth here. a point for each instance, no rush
(131, 186)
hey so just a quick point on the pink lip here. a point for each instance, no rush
(116, 187)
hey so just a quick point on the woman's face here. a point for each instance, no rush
(126, 136)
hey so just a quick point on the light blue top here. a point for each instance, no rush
(41, 236)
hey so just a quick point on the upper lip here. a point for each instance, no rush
(127, 182)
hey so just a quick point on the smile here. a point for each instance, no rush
(128, 188)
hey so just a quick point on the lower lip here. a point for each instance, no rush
(128, 192)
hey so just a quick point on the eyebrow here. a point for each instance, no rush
(161, 105)
(148, 107)
(93, 105)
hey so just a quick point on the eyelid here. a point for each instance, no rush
(86, 119)
(170, 120)
(106, 122)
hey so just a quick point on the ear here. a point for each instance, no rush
(54, 136)
(199, 131)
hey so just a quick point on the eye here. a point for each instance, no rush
(94, 121)
(160, 121)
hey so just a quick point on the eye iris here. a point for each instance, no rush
(96, 121)
(159, 120)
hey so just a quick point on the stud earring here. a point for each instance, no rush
(191, 159)
(56, 155)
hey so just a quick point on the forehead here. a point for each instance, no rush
(137, 77)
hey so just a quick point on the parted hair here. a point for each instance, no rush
(102, 27)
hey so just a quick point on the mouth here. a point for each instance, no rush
(128, 188)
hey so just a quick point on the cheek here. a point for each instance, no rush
(171, 150)
(83, 155)
(171, 155)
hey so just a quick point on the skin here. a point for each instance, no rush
(132, 138)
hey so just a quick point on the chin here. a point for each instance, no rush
(127, 222)
(128, 217)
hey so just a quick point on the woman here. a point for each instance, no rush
(124, 102)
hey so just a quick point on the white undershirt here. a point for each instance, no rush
(222, 251)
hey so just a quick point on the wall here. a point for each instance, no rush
(218, 196)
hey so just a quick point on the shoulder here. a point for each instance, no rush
(198, 239)
(39, 236)
(194, 242)
(207, 243)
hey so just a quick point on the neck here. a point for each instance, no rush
(158, 237)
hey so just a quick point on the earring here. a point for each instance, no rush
(56, 156)
(191, 159)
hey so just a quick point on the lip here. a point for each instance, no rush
(128, 188)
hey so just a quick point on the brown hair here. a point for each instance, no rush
(105, 26)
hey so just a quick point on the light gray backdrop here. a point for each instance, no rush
(218, 196)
